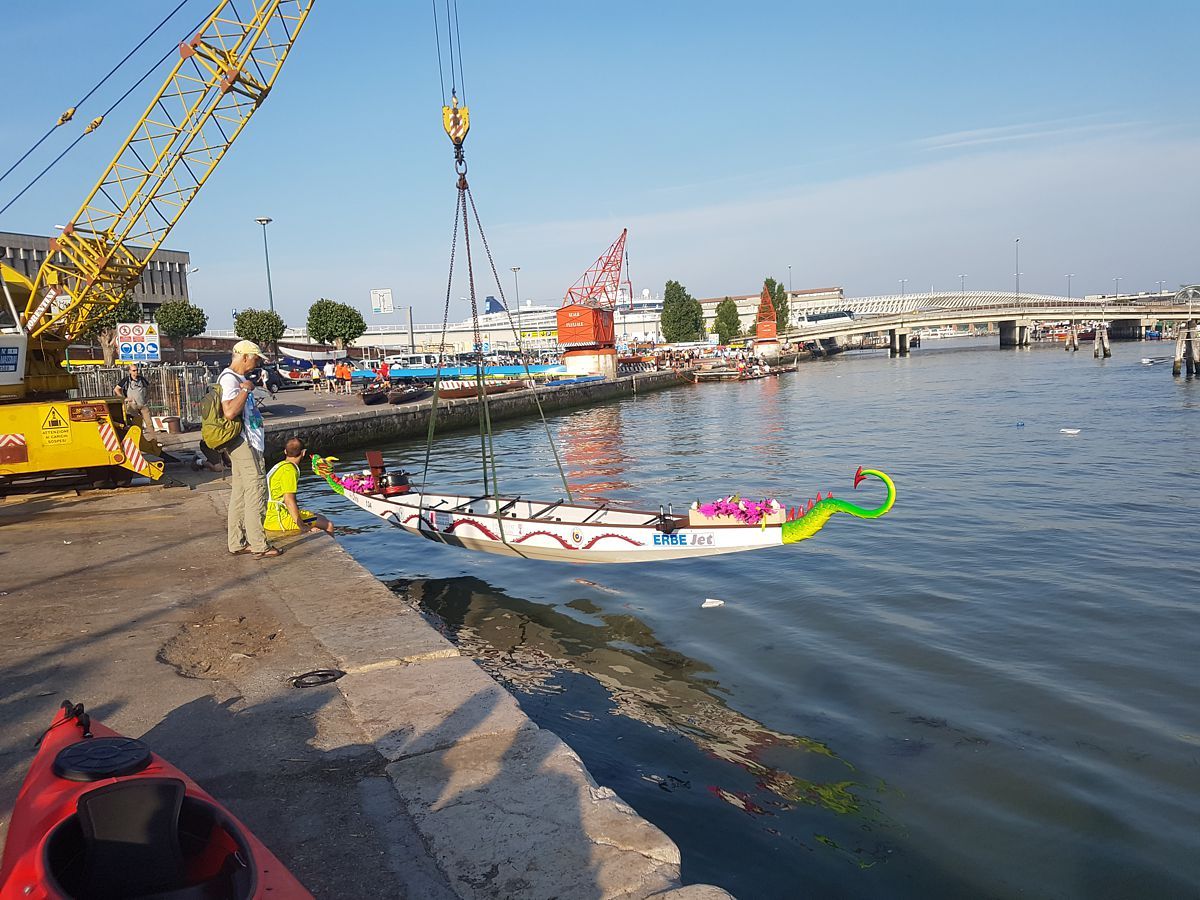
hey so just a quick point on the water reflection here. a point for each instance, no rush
(527, 646)
(594, 453)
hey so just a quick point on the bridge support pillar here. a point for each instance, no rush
(1128, 329)
(1014, 333)
(898, 342)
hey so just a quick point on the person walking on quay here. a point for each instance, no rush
(283, 513)
(315, 374)
(330, 377)
(135, 390)
(248, 497)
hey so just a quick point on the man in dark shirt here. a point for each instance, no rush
(136, 392)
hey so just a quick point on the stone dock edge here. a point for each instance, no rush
(505, 808)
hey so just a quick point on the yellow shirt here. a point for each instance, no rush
(281, 480)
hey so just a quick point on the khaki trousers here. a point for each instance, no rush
(248, 499)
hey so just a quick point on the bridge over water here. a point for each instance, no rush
(897, 315)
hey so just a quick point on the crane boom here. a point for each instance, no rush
(223, 73)
(600, 285)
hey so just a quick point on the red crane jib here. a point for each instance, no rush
(585, 320)
(765, 328)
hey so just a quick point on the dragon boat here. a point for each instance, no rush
(580, 533)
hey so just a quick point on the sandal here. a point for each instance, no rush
(239, 552)
(269, 552)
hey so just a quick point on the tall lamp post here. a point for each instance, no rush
(517, 290)
(1069, 276)
(903, 291)
(1017, 273)
(264, 221)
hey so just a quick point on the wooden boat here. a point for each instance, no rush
(717, 375)
(408, 395)
(579, 533)
(460, 390)
(373, 396)
(101, 815)
(750, 375)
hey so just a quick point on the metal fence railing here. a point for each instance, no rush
(174, 390)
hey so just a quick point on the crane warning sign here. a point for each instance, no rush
(55, 428)
(137, 342)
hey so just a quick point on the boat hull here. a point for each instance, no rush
(613, 536)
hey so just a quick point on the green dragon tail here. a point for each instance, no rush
(814, 518)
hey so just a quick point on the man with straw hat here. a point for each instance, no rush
(248, 498)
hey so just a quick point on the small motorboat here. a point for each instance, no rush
(101, 815)
(408, 395)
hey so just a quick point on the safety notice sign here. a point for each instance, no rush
(55, 428)
(137, 342)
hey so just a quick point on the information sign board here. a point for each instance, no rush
(381, 301)
(137, 342)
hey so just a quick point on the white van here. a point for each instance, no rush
(413, 360)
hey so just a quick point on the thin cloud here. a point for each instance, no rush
(1028, 131)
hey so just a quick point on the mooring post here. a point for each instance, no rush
(1192, 349)
(1072, 339)
(1177, 365)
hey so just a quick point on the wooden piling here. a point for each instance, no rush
(1101, 342)
(1187, 351)
(1072, 339)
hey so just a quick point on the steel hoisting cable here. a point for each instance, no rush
(96, 122)
(525, 362)
(70, 113)
(437, 36)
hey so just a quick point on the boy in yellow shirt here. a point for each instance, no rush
(283, 514)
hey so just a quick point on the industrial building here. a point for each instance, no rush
(164, 280)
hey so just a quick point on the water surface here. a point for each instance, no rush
(989, 692)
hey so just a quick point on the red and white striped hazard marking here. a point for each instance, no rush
(109, 437)
(12, 440)
(134, 456)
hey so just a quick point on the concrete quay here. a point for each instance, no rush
(414, 775)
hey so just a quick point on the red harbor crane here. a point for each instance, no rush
(586, 330)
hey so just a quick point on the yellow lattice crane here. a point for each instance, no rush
(221, 77)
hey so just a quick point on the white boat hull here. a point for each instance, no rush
(610, 535)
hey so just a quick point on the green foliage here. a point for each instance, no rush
(128, 310)
(779, 299)
(332, 322)
(259, 325)
(178, 320)
(682, 317)
(103, 328)
(728, 324)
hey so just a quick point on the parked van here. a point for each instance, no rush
(413, 360)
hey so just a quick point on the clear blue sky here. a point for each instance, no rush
(859, 143)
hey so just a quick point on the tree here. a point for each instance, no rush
(682, 317)
(728, 323)
(104, 328)
(779, 299)
(262, 326)
(332, 322)
(179, 319)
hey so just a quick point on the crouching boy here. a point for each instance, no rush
(283, 514)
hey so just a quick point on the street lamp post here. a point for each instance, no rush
(962, 288)
(517, 294)
(1069, 276)
(264, 221)
(903, 291)
(1160, 286)
(270, 294)
(789, 282)
(1017, 273)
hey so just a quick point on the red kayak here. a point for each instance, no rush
(101, 816)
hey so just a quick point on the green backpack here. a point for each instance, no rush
(215, 429)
